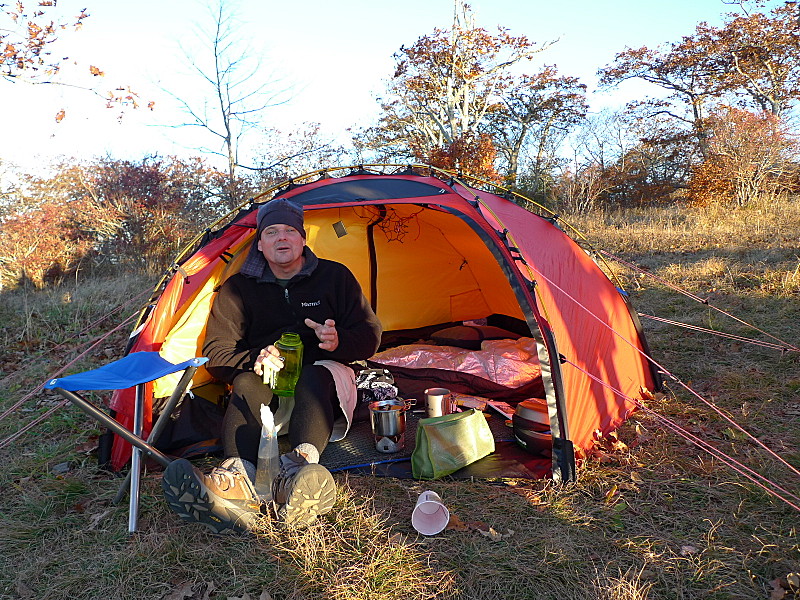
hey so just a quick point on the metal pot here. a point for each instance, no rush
(388, 418)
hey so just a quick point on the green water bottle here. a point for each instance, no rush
(291, 349)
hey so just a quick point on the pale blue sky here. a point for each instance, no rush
(336, 55)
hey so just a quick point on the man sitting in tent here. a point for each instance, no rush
(282, 287)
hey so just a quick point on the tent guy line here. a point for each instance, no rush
(730, 336)
(32, 360)
(94, 343)
(731, 462)
(727, 459)
(786, 346)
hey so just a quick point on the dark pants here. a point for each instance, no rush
(316, 406)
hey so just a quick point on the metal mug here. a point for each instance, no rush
(438, 402)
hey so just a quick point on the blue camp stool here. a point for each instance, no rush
(134, 370)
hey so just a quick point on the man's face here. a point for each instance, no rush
(282, 246)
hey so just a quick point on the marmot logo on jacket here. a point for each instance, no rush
(305, 304)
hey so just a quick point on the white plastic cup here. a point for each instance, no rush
(430, 515)
(437, 402)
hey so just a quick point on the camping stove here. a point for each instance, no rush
(390, 443)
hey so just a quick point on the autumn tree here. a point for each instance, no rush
(285, 154)
(598, 148)
(579, 186)
(443, 88)
(47, 241)
(28, 38)
(760, 58)
(753, 60)
(32, 52)
(686, 71)
(161, 203)
(621, 158)
(751, 156)
(534, 116)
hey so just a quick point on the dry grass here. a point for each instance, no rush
(658, 519)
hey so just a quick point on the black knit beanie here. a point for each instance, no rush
(280, 212)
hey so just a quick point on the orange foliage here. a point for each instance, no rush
(471, 154)
(44, 243)
(30, 49)
(709, 184)
(131, 214)
(749, 155)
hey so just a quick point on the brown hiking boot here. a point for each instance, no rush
(302, 491)
(223, 499)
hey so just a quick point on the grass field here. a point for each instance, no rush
(652, 517)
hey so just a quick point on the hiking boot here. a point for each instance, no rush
(223, 499)
(303, 490)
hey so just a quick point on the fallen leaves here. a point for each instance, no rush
(202, 591)
(191, 591)
(456, 524)
(612, 495)
(87, 446)
(494, 535)
(784, 588)
(608, 448)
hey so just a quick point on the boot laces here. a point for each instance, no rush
(223, 478)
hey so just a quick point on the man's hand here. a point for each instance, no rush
(326, 334)
(270, 359)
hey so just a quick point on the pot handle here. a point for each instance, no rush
(409, 403)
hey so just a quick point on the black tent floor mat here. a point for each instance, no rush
(357, 453)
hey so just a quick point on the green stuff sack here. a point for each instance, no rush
(447, 443)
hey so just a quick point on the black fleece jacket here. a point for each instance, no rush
(250, 313)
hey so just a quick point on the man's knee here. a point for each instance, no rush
(248, 394)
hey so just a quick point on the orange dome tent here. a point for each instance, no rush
(430, 249)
